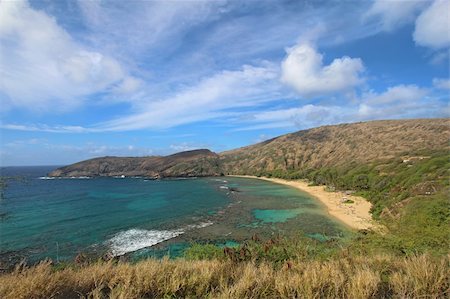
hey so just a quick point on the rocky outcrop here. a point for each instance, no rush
(201, 162)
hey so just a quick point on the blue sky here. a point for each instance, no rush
(82, 79)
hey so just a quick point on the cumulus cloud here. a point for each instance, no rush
(394, 13)
(432, 26)
(303, 70)
(42, 67)
(441, 83)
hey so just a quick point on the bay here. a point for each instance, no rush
(59, 218)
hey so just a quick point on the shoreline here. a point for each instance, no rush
(356, 215)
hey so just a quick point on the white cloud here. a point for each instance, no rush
(212, 97)
(441, 83)
(394, 13)
(401, 101)
(433, 25)
(216, 97)
(47, 128)
(397, 102)
(138, 26)
(300, 117)
(26, 142)
(303, 69)
(43, 68)
(128, 85)
(396, 94)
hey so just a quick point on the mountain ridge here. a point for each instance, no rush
(325, 146)
(188, 163)
(335, 145)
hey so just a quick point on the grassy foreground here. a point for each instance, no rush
(379, 276)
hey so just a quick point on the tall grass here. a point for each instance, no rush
(381, 276)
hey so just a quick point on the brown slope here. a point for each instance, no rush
(327, 146)
(190, 163)
(340, 145)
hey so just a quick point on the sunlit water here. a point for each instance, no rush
(58, 218)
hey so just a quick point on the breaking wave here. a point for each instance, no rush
(135, 239)
(64, 178)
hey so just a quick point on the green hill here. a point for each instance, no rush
(401, 166)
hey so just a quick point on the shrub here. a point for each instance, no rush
(204, 252)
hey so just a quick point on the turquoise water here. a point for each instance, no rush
(271, 216)
(58, 218)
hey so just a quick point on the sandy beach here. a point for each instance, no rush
(355, 215)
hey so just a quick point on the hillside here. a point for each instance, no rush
(340, 145)
(190, 163)
(402, 167)
(327, 146)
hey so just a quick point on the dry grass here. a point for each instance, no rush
(421, 278)
(381, 276)
(338, 145)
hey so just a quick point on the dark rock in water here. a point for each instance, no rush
(3, 216)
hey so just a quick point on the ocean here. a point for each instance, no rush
(43, 217)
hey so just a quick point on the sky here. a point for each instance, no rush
(83, 79)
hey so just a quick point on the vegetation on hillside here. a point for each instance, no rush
(402, 167)
(410, 197)
(340, 146)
